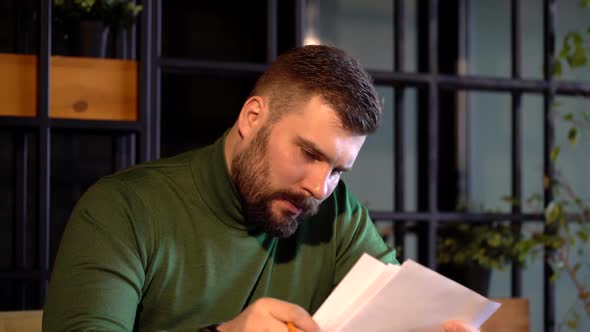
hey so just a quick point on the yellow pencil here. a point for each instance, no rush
(291, 327)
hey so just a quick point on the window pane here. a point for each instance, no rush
(574, 159)
(197, 110)
(488, 169)
(363, 28)
(214, 30)
(19, 26)
(532, 149)
(489, 38)
(532, 39)
(571, 17)
(7, 199)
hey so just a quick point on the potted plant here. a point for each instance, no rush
(84, 27)
(467, 252)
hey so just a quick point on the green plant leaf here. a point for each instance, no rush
(577, 58)
(572, 135)
(583, 235)
(568, 117)
(511, 200)
(554, 154)
(557, 70)
(584, 3)
(576, 267)
(553, 212)
(572, 324)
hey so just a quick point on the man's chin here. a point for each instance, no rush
(282, 229)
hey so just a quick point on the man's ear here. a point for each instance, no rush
(251, 116)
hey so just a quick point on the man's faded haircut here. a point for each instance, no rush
(324, 71)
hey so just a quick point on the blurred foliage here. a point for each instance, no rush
(113, 13)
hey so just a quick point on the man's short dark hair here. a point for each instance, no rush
(324, 71)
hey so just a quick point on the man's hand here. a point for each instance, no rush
(456, 326)
(269, 314)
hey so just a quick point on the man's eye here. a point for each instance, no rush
(308, 155)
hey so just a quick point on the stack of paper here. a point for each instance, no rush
(378, 297)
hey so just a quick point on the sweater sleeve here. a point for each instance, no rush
(98, 274)
(357, 235)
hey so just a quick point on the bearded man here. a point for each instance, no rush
(247, 234)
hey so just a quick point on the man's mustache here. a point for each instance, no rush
(306, 203)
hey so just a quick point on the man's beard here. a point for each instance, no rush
(250, 173)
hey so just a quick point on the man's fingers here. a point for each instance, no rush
(289, 312)
(456, 326)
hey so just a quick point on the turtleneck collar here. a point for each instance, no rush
(215, 186)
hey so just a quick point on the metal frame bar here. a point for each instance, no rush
(271, 30)
(21, 150)
(399, 229)
(516, 135)
(186, 66)
(145, 79)
(548, 143)
(455, 216)
(433, 116)
(113, 126)
(299, 22)
(44, 147)
(156, 53)
(481, 83)
(25, 274)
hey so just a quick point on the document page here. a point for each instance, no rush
(377, 297)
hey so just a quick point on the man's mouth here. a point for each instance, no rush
(291, 207)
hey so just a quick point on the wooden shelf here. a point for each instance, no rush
(81, 88)
(18, 85)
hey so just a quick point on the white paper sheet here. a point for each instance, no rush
(377, 297)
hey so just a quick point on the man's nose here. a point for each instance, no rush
(317, 183)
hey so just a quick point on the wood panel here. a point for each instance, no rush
(94, 89)
(21, 321)
(18, 85)
(513, 316)
(81, 88)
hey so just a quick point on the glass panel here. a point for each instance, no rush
(19, 26)
(7, 295)
(78, 160)
(7, 199)
(532, 172)
(209, 30)
(571, 17)
(488, 168)
(574, 159)
(197, 110)
(17, 236)
(489, 38)
(532, 39)
(363, 28)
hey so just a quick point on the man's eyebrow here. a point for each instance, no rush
(314, 149)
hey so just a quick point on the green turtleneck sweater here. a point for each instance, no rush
(165, 246)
